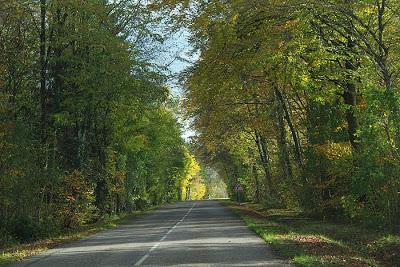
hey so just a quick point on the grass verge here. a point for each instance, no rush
(20, 251)
(309, 242)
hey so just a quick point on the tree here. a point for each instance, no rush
(302, 90)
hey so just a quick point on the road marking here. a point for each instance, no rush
(142, 259)
(154, 247)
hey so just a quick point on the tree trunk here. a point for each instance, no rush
(293, 131)
(282, 144)
(264, 157)
(256, 182)
(43, 70)
(350, 99)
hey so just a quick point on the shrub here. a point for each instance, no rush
(76, 198)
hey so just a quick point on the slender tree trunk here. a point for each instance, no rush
(293, 131)
(43, 70)
(282, 144)
(264, 157)
(43, 95)
(256, 182)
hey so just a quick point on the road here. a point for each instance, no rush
(193, 233)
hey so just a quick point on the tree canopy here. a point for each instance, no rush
(299, 101)
(88, 126)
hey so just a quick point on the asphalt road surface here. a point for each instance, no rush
(193, 233)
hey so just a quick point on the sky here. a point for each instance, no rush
(176, 48)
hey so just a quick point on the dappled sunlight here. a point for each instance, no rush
(311, 242)
(287, 111)
(185, 234)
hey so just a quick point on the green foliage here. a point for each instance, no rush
(299, 102)
(87, 127)
(75, 200)
(26, 229)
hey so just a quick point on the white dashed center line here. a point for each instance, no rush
(142, 259)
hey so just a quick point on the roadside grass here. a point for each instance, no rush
(18, 252)
(309, 242)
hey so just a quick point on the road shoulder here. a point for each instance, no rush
(311, 242)
(20, 252)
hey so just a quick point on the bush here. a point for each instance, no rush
(6, 239)
(141, 204)
(321, 191)
(25, 229)
(76, 201)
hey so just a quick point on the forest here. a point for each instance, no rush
(88, 125)
(298, 101)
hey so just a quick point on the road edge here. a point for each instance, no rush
(231, 205)
(21, 252)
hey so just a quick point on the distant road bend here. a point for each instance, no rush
(193, 233)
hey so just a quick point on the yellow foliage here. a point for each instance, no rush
(334, 151)
(75, 200)
(197, 188)
(192, 168)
